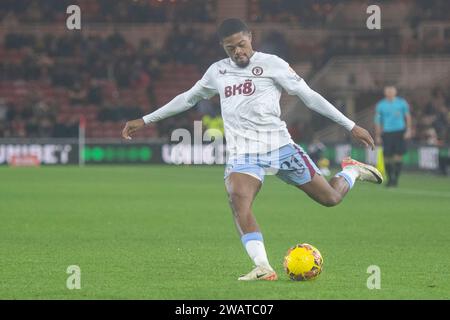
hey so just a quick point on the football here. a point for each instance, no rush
(303, 262)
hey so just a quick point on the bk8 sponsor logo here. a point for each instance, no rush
(247, 88)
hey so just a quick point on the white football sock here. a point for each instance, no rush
(350, 174)
(257, 252)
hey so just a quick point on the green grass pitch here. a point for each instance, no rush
(166, 232)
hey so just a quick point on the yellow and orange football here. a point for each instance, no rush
(303, 262)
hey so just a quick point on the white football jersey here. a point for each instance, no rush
(250, 102)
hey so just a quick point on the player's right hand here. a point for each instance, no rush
(131, 127)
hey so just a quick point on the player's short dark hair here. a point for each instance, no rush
(231, 26)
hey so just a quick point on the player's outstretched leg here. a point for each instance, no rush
(242, 190)
(331, 193)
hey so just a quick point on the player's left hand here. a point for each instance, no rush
(363, 136)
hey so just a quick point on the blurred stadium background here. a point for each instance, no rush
(131, 57)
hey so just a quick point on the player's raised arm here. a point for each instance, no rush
(203, 89)
(295, 85)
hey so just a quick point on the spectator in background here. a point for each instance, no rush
(77, 95)
(3, 117)
(3, 109)
(392, 128)
(275, 43)
(94, 93)
(316, 151)
(439, 114)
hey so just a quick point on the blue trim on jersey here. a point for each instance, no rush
(251, 236)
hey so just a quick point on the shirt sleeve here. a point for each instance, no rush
(204, 89)
(405, 108)
(287, 78)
